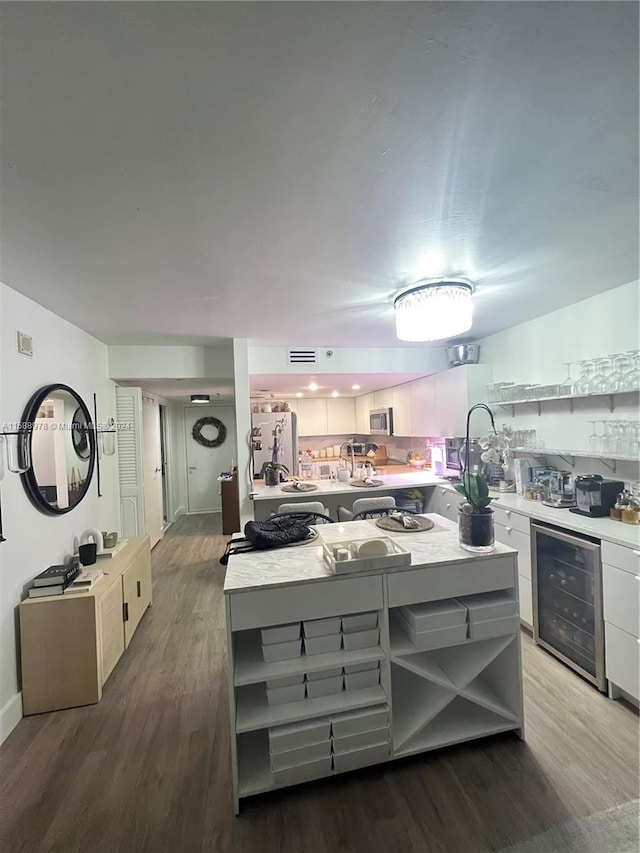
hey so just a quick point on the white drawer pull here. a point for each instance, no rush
(637, 553)
(443, 491)
(507, 512)
(508, 529)
(448, 506)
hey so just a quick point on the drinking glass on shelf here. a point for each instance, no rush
(621, 364)
(595, 440)
(632, 376)
(587, 373)
(599, 383)
(607, 439)
(567, 386)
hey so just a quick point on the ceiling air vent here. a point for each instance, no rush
(302, 356)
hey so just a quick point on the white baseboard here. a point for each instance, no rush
(10, 716)
(205, 512)
(180, 511)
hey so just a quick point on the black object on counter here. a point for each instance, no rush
(595, 496)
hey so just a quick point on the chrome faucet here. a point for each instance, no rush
(353, 455)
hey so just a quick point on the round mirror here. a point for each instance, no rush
(63, 449)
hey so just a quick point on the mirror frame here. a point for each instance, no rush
(29, 478)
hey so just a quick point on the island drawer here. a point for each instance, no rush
(621, 595)
(411, 587)
(275, 606)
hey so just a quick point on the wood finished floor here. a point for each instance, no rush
(148, 768)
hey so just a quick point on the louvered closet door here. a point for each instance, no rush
(129, 412)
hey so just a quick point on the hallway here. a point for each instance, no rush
(147, 769)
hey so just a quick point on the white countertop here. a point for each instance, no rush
(304, 564)
(325, 487)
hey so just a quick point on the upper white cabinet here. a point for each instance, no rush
(364, 405)
(322, 416)
(383, 399)
(312, 416)
(456, 391)
(402, 414)
(341, 415)
(423, 406)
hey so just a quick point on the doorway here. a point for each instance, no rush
(205, 464)
(163, 464)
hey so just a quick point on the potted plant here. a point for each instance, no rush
(475, 519)
(270, 472)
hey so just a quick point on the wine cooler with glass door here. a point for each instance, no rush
(567, 600)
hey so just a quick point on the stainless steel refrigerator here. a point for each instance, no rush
(264, 427)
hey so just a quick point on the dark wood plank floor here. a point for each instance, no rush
(148, 768)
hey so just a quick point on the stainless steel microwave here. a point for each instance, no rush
(381, 422)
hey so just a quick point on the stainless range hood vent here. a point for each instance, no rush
(463, 354)
(302, 356)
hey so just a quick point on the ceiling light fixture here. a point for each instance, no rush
(433, 309)
(355, 387)
(200, 398)
(312, 386)
(335, 393)
(299, 394)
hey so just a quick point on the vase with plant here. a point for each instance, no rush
(475, 519)
(271, 472)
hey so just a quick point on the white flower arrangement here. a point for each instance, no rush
(496, 446)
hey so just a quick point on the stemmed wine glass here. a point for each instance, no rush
(599, 383)
(567, 387)
(595, 440)
(588, 372)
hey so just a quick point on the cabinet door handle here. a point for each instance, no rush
(637, 553)
(125, 612)
(507, 512)
(448, 506)
(139, 590)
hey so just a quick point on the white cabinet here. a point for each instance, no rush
(515, 533)
(383, 399)
(364, 405)
(456, 391)
(341, 415)
(445, 502)
(402, 415)
(621, 605)
(423, 406)
(312, 416)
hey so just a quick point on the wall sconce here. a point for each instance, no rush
(15, 449)
(107, 438)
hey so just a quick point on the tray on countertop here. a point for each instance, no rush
(396, 556)
(361, 483)
(300, 488)
(385, 522)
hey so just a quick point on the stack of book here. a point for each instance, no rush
(85, 581)
(53, 581)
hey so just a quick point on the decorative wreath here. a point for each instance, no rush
(199, 425)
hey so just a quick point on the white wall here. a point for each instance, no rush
(535, 352)
(410, 359)
(62, 353)
(243, 425)
(171, 362)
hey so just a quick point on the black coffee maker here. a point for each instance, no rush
(595, 496)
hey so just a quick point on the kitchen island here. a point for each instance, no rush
(328, 673)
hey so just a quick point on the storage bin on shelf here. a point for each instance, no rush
(363, 678)
(491, 614)
(325, 686)
(361, 639)
(360, 622)
(322, 645)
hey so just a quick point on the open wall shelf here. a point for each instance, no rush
(607, 399)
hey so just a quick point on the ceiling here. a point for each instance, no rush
(287, 386)
(182, 172)
(180, 390)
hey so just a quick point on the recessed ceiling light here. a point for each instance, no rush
(312, 386)
(299, 394)
(200, 398)
(355, 387)
(335, 394)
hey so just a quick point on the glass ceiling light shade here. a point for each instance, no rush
(433, 309)
(200, 398)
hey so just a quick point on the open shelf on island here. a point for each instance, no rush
(250, 667)
(253, 711)
(459, 721)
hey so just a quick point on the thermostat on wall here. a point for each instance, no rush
(25, 344)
